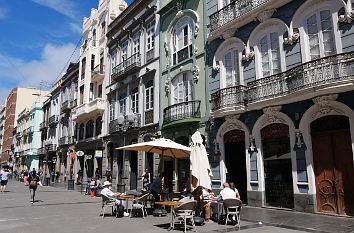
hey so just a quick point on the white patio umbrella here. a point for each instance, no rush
(162, 146)
(200, 167)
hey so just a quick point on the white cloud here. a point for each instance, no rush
(3, 13)
(4, 92)
(65, 7)
(75, 28)
(53, 62)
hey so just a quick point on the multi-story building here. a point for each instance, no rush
(47, 152)
(52, 141)
(2, 123)
(281, 83)
(67, 139)
(34, 136)
(21, 148)
(18, 99)
(183, 100)
(132, 90)
(89, 113)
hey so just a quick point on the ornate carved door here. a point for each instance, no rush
(333, 163)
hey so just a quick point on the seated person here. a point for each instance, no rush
(233, 187)
(199, 195)
(107, 190)
(226, 193)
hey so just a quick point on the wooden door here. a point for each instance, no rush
(334, 171)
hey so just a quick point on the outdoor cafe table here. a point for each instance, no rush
(125, 197)
(172, 204)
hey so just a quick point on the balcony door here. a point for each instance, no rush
(182, 93)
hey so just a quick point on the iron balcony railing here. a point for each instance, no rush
(73, 103)
(317, 73)
(98, 70)
(53, 120)
(63, 141)
(65, 106)
(150, 55)
(232, 11)
(189, 109)
(51, 147)
(126, 123)
(149, 117)
(129, 65)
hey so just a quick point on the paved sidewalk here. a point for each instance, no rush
(58, 210)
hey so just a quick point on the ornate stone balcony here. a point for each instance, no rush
(189, 109)
(332, 74)
(124, 123)
(65, 106)
(94, 107)
(129, 66)
(97, 73)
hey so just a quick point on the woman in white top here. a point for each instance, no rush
(4, 178)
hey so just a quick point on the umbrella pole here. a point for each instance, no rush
(161, 175)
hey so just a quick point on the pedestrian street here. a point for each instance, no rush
(58, 210)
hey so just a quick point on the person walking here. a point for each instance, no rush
(146, 179)
(25, 177)
(4, 178)
(33, 181)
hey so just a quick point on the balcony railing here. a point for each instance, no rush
(63, 141)
(93, 106)
(149, 117)
(232, 11)
(53, 120)
(65, 106)
(51, 147)
(189, 109)
(227, 97)
(128, 66)
(73, 103)
(314, 74)
(150, 55)
(124, 124)
(97, 72)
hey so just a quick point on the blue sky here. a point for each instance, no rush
(37, 39)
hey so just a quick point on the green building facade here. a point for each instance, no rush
(183, 92)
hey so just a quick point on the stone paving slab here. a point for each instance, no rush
(58, 210)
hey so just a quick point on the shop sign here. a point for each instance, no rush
(72, 155)
(79, 153)
(98, 153)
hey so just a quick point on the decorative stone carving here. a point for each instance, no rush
(231, 122)
(264, 15)
(292, 37)
(299, 143)
(248, 54)
(348, 15)
(272, 115)
(216, 147)
(252, 143)
(195, 72)
(216, 67)
(179, 5)
(324, 106)
(167, 86)
(232, 118)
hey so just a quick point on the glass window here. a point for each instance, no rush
(136, 39)
(122, 104)
(183, 39)
(124, 51)
(270, 54)
(320, 34)
(150, 36)
(231, 68)
(135, 100)
(112, 109)
(182, 88)
(149, 95)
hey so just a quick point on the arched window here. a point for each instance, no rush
(89, 129)
(81, 131)
(182, 88)
(135, 100)
(320, 34)
(149, 95)
(182, 40)
(98, 125)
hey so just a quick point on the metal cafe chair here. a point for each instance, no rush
(233, 207)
